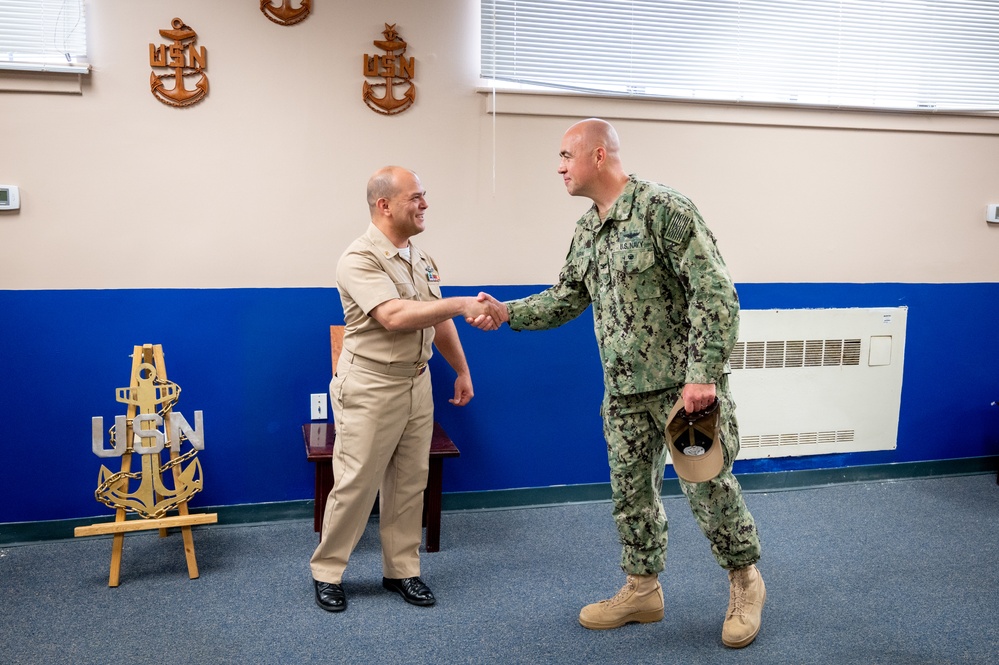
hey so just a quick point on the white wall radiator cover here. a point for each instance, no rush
(814, 381)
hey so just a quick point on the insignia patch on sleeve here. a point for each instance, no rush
(676, 227)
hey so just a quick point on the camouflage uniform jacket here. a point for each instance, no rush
(665, 310)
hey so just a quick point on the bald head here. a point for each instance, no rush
(384, 184)
(590, 163)
(397, 202)
(596, 133)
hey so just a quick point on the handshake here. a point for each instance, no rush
(485, 312)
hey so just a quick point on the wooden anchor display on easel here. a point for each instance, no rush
(150, 399)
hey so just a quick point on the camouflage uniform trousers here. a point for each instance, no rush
(634, 426)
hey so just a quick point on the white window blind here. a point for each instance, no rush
(934, 55)
(43, 35)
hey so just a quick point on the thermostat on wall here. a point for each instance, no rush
(9, 198)
(992, 213)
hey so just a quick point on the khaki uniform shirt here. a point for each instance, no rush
(372, 272)
(665, 310)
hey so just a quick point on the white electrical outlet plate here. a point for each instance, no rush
(318, 406)
(992, 213)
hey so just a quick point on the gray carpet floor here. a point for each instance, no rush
(867, 573)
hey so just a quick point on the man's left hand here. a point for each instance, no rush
(463, 392)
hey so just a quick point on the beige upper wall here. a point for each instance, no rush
(262, 184)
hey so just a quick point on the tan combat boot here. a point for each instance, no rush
(745, 607)
(640, 599)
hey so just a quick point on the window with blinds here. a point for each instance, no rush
(43, 36)
(930, 55)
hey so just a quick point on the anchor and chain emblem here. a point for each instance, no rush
(395, 68)
(151, 401)
(185, 60)
(284, 13)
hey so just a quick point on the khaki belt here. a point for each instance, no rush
(395, 369)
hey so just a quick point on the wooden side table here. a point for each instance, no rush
(319, 440)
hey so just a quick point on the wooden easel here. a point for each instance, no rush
(153, 355)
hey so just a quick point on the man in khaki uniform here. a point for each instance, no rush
(381, 392)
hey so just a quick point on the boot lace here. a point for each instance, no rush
(737, 595)
(624, 593)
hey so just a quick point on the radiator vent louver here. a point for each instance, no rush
(797, 439)
(796, 353)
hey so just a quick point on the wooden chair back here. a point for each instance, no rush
(336, 344)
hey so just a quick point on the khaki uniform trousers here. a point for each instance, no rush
(384, 426)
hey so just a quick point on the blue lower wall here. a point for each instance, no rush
(249, 358)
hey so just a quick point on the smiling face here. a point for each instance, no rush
(406, 207)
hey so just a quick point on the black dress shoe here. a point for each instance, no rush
(330, 597)
(412, 589)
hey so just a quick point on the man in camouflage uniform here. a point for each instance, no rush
(666, 315)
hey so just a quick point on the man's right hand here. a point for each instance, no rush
(487, 313)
